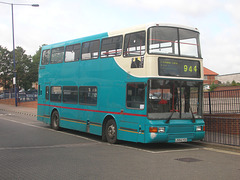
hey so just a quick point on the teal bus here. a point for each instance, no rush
(142, 84)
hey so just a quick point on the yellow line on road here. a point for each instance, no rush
(222, 151)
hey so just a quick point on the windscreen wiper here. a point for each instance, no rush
(193, 118)
(173, 111)
(169, 118)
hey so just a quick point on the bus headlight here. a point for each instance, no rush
(199, 128)
(161, 129)
(157, 129)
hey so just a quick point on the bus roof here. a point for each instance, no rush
(78, 40)
(117, 32)
(146, 26)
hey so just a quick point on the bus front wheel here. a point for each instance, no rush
(55, 120)
(111, 131)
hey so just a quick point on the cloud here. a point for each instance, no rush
(221, 52)
(233, 8)
(183, 6)
(56, 21)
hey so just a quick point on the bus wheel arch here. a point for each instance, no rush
(55, 120)
(109, 130)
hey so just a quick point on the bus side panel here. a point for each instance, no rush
(131, 129)
(112, 98)
(89, 114)
(70, 118)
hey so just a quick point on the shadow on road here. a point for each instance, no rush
(153, 147)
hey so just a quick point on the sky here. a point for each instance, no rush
(59, 20)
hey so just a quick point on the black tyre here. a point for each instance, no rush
(55, 120)
(111, 131)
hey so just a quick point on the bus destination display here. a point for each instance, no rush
(179, 68)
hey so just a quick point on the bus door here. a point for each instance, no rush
(133, 121)
(46, 100)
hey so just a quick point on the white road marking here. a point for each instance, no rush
(6, 114)
(31, 125)
(47, 147)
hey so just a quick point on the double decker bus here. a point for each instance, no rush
(143, 84)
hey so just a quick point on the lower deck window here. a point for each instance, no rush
(70, 94)
(135, 95)
(56, 93)
(88, 95)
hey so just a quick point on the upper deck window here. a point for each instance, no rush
(90, 50)
(189, 43)
(134, 44)
(111, 46)
(173, 41)
(57, 55)
(45, 57)
(72, 53)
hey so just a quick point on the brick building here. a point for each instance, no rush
(209, 76)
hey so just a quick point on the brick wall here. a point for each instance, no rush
(7, 101)
(30, 104)
(224, 88)
(223, 123)
(210, 80)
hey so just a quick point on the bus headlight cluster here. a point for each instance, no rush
(157, 129)
(200, 128)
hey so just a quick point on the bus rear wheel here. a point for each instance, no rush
(55, 120)
(111, 131)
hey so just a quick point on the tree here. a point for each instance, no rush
(35, 64)
(23, 66)
(26, 68)
(234, 83)
(213, 86)
(6, 68)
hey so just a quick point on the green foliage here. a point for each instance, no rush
(213, 86)
(234, 83)
(26, 68)
(23, 65)
(6, 68)
(35, 64)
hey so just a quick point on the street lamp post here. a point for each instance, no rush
(14, 63)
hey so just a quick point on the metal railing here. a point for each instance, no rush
(25, 97)
(21, 96)
(222, 116)
(222, 130)
(227, 101)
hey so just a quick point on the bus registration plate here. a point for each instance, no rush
(181, 140)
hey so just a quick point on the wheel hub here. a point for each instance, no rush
(111, 131)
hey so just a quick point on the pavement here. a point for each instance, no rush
(19, 109)
(33, 112)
